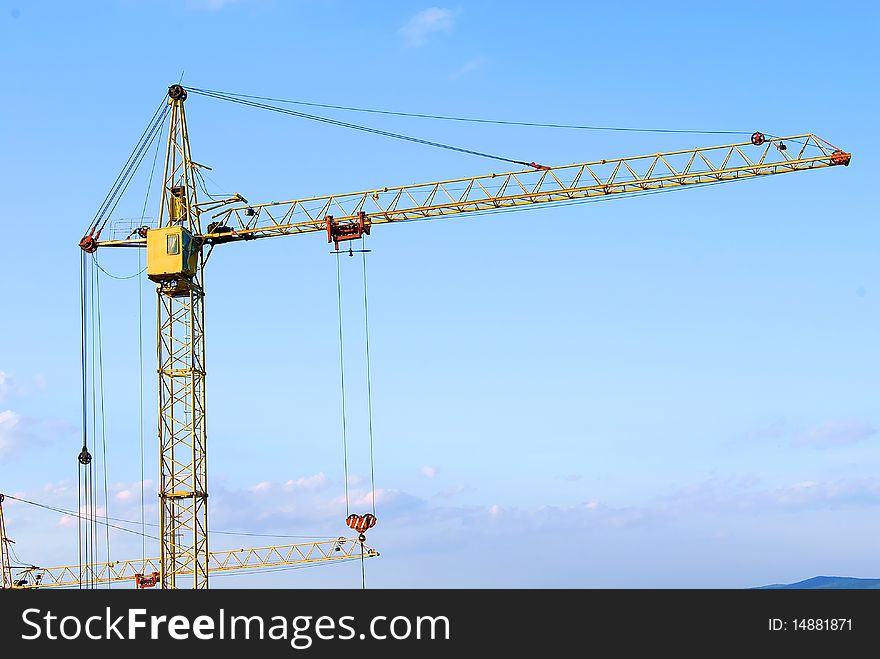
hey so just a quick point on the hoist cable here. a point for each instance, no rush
(79, 526)
(369, 382)
(141, 354)
(70, 513)
(102, 208)
(80, 515)
(82, 304)
(131, 166)
(135, 166)
(342, 382)
(152, 172)
(366, 129)
(90, 496)
(90, 357)
(200, 178)
(419, 115)
(140, 303)
(103, 415)
(274, 535)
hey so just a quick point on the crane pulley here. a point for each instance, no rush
(176, 258)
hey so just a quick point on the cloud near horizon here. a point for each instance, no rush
(655, 543)
(835, 433)
(747, 495)
(319, 506)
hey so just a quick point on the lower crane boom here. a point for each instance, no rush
(140, 571)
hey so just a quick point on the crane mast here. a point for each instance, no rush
(183, 480)
(176, 258)
(5, 564)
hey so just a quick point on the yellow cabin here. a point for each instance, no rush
(171, 254)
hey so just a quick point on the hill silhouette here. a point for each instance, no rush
(850, 583)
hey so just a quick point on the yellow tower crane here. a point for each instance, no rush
(179, 245)
(145, 572)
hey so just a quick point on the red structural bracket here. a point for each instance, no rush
(840, 157)
(337, 232)
(146, 581)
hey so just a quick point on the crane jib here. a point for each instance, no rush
(350, 216)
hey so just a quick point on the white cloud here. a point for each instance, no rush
(17, 432)
(131, 492)
(774, 429)
(210, 5)
(837, 433)
(84, 514)
(812, 494)
(11, 433)
(57, 491)
(426, 22)
(7, 384)
(429, 472)
(468, 67)
(453, 490)
(717, 496)
(10, 386)
(314, 482)
(795, 493)
(382, 496)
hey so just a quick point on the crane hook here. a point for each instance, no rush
(361, 523)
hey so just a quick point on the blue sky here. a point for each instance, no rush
(670, 391)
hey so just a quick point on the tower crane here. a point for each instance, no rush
(145, 572)
(187, 230)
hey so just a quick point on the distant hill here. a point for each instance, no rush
(850, 583)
